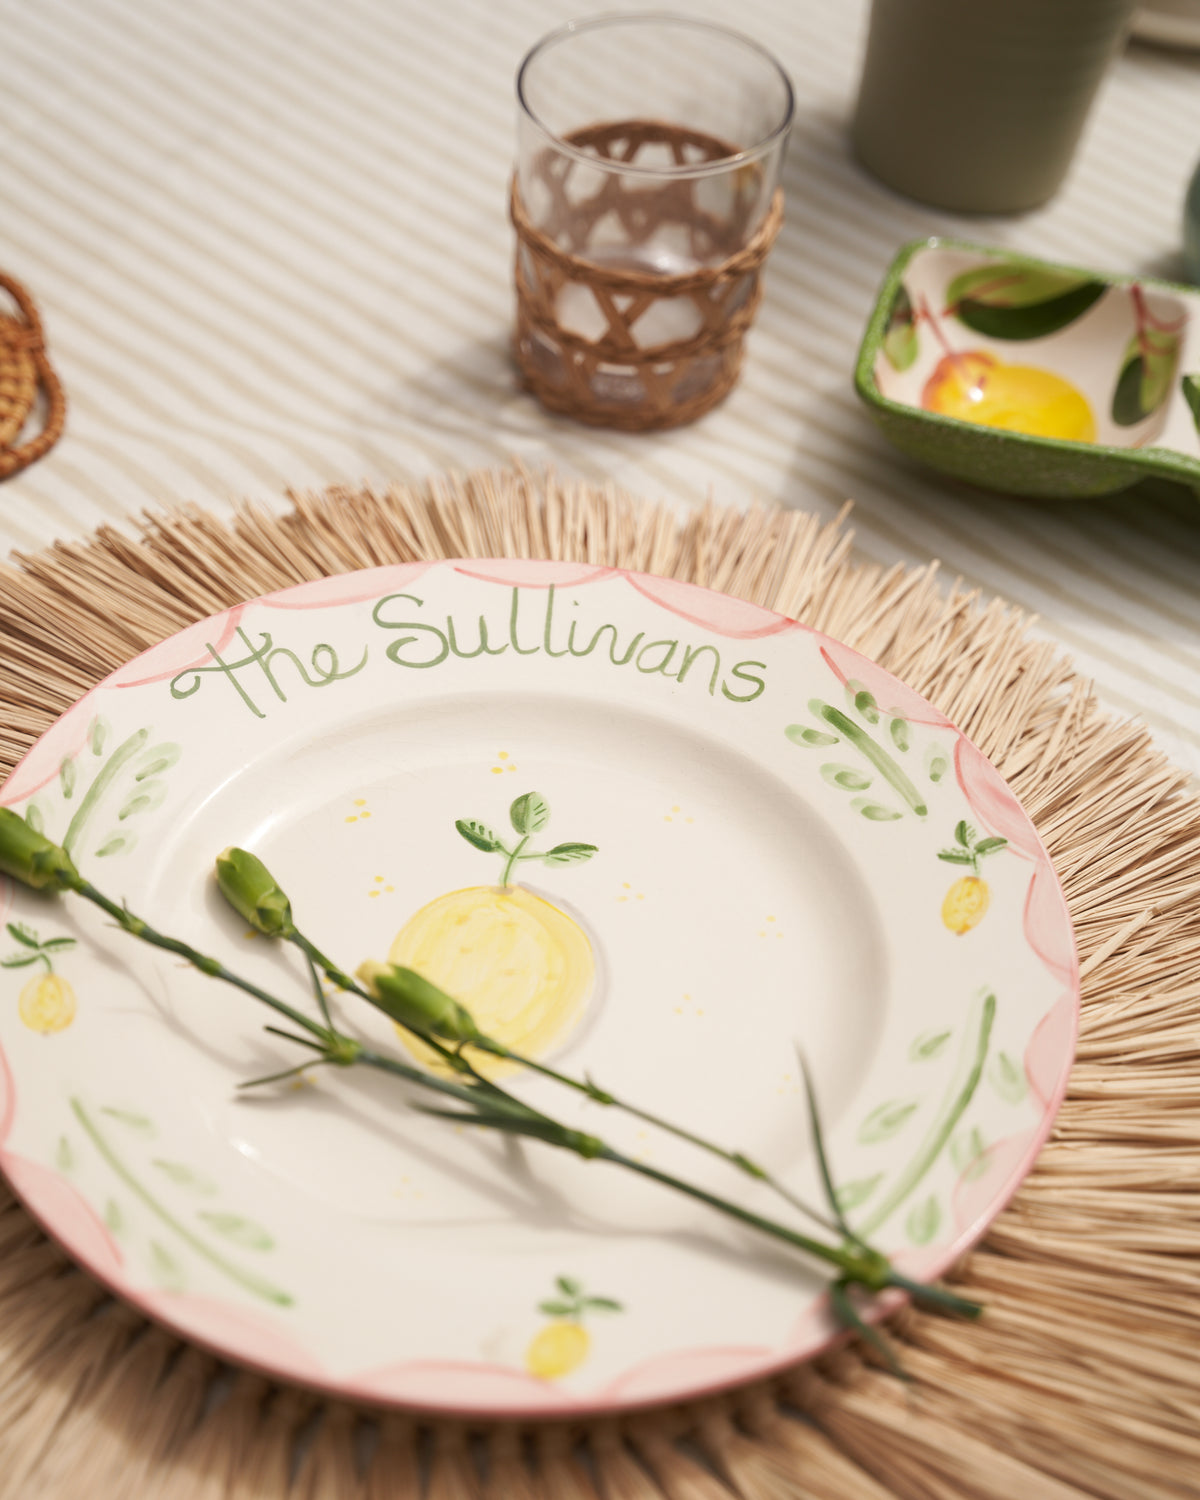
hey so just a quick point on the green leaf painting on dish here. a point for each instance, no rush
(886, 1121)
(847, 777)
(900, 343)
(923, 1221)
(1007, 1078)
(968, 1152)
(478, 834)
(1147, 371)
(1009, 301)
(529, 813)
(852, 1194)
(1190, 386)
(185, 1177)
(239, 1231)
(165, 1269)
(928, 1045)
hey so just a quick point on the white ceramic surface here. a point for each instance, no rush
(791, 848)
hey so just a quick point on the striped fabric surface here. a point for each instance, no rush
(270, 242)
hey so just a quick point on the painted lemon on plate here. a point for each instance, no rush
(561, 1346)
(978, 387)
(968, 899)
(522, 967)
(47, 1001)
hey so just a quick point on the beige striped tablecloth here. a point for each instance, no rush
(270, 241)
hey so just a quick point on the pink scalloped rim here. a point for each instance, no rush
(261, 1341)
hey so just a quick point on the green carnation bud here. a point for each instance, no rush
(250, 889)
(415, 1002)
(31, 858)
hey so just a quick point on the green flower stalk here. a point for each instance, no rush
(419, 1005)
(251, 890)
(42, 865)
(428, 1012)
(31, 858)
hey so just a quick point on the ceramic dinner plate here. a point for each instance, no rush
(649, 833)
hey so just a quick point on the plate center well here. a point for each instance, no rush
(610, 891)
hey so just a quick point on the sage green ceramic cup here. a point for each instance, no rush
(978, 105)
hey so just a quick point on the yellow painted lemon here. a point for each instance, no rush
(556, 1350)
(966, 903)
(521, 966)
(47, 1004)
(977, 387)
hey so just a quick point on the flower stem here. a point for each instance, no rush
(585, 1086)
(126, 920)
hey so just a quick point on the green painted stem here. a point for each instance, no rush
(879, 758)
(963, 1083)
(246, 1279)
(104, 779)
(512, 859)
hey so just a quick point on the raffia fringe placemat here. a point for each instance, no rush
(1082, 1378)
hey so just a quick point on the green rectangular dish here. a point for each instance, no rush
(1030, 377)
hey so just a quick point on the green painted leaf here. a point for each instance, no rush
(603, 1304)
(243, 1232)
(18, 960)
(924, 1220)
(1161, 361)
(1190, 386)
(886, 1121)
(479, 835)
(937, 763)
(1147, 373)
(851, 1194)
(875, 812)
(64, 1157)
(848, 778)
(809, 738)
(568, 1286)
(22, 934)
(165, 1269)
(185, 1177)
(899, 731)
(117, 843)
(964, 834)
(35, 817)
(900, 343)
(863, 702)
(1010, 301)
(98, 732)
(968, 1152)
(131, 1120)
(113, 1216)
(990, 846)
(568, 854)
(57, 944)
(66, 777)
(1008, 1078)
(956, 856)
(928, 1045)
(529, 813)
(151, 796)
(557, 1309)
(157, 759)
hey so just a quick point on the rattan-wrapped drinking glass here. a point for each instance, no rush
(645, 201)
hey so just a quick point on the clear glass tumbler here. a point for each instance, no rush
(645, 200)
